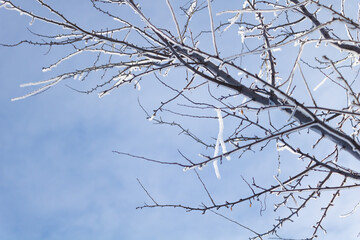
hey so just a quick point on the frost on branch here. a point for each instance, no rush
(304, 97)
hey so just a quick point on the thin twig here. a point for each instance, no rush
(212, 27)
(147, 193)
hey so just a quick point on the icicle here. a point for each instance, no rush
(166, 72)
(202, 166)
(192, 7)
(137, 85)
(188, 168)
(221, 132)
(32, 21)
(320, 84)
(80, 78)
(241, 32)
(216, 168)
(219, 141)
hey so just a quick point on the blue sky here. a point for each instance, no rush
(59, 178)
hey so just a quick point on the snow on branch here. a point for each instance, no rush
(263, 97)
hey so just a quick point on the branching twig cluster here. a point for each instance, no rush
(286, 78)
